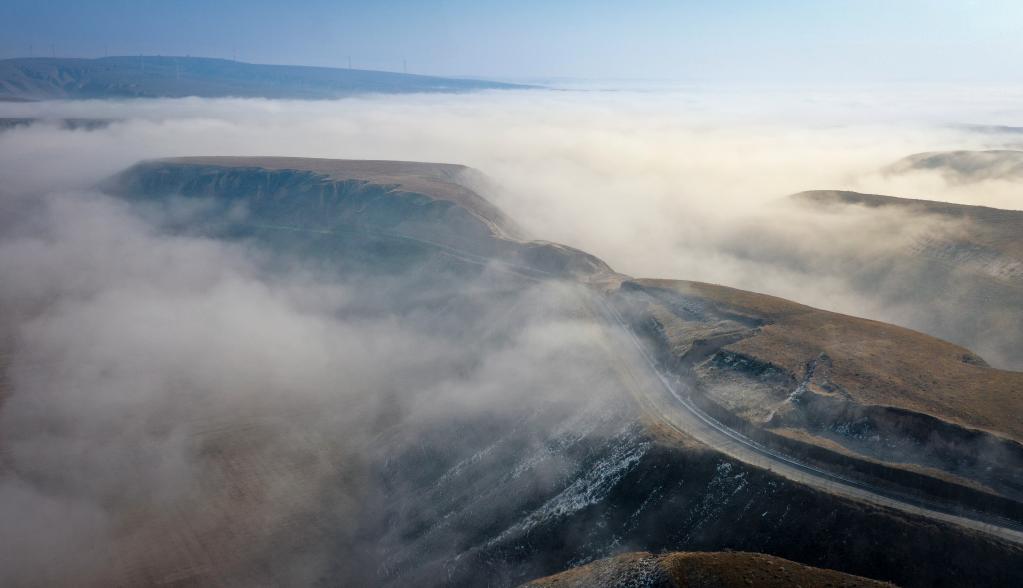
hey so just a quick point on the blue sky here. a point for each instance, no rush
(726, 40)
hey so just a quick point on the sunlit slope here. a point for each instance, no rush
(699, 570)
(44, 78)
(847, 385)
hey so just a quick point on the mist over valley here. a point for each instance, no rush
(317, 325)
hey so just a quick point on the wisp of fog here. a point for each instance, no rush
(687, 183)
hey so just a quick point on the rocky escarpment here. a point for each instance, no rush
(358, 202)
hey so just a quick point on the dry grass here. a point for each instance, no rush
(982, 226)
(876, 363)
(735, 569)
(702, 570)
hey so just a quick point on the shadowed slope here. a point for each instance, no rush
(418, 203)
(439, 181)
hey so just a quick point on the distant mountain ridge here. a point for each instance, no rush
(43, 78)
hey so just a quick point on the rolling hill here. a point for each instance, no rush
(990, 244)
(961, 280)
(964, 167)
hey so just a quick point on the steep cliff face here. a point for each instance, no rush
(633, 491)
(417, 204)
(300, 194)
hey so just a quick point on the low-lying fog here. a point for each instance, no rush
(684, 183)
(122, 343)
(166, 395)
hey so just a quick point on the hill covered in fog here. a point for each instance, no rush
(371, 376)
(966, 268)
(964, 167)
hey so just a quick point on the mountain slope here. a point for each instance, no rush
(961, 279)
(699, 570)
(964, 167)
(43, 78)
(424, 204)
(867, 391)
(990, 242)
(832, 387)
(558, 449)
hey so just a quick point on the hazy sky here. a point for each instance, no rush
(731, 40)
